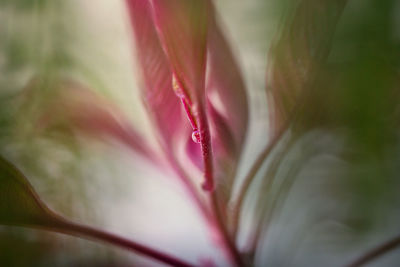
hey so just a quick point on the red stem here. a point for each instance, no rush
(190, 188)
(229, 245)
(214, 219)
(376, 252)
(208, 185)
(206, 149)
(61, 225)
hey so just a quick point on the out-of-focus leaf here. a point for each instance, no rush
(365, 102)
(226, 82)
(77, 108)
(226, 154)
(222, 135)
(158, 95)
(20, 205)
(298, 54)
(347, 79)
(24, 4)
(227, 107)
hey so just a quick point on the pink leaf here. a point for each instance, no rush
(80, 108)
(226, 83)
(225, 147)
(158, 96)
(227, 107)
(182, 29)
(193, 151)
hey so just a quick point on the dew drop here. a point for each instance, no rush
(196, 136)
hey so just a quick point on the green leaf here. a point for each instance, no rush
(19, 203)
(21, 206)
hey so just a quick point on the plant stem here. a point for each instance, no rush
(229, 245)
(63, 226)
(190, 188)
(237, 206)
(265, 216)
(376, 252)
(212, 217)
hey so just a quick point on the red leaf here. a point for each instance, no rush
(227, 107)
(225, 82)
(158, 96)
(80, 108)
(182, 29)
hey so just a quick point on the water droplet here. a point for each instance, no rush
(196, 136)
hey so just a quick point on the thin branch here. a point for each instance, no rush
(376, 252)
(212, 216)
(237, 206)
(190, 188)
(229, 244)
(265, 187)
(61, 225)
